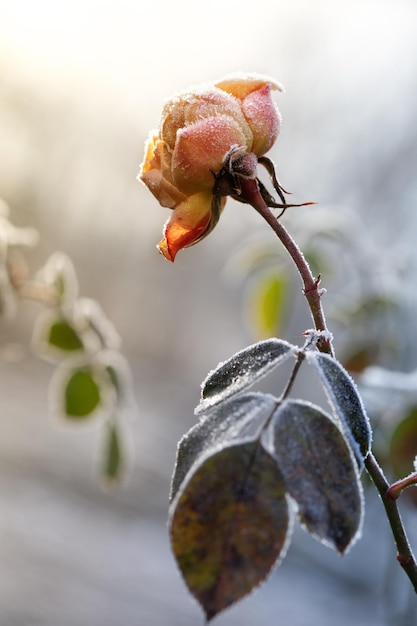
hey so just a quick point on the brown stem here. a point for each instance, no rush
(250, 190)
(405, 556)
(398, 487)
(312, 292)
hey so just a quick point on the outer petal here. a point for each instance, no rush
(192, 106)
(200, 150)
(155, 172)
(254, 92)
(241, 85)
(192, 220)
(263, 118)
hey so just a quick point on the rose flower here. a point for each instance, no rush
(205, 137)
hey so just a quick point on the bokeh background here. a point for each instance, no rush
(81, 84)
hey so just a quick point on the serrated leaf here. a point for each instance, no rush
(235, 420)
(345, 400)
(63, 336)
(242, 370)
(319, 472)
(82, 394)
(229, 525)
(266, 304)
(113, 458)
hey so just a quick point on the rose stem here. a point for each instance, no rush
(312, 292)
(251, 193)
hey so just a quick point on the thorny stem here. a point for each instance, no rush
(313, 294)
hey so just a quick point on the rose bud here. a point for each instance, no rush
(187, 164)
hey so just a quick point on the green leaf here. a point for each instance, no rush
(345, 400)
(267, 302)
(113, 458)
(229, 525)
(403, 444)
(63, 336)
(319, 472)
(242, 370)
(235, 420)
(82, 394)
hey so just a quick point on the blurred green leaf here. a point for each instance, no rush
(113, 459)
(403, 444)
(242, 370)
(82, 394)
(267, 304)
(62, 335)
(229, 525)
(319, 472)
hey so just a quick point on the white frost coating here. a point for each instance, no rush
(302, 412)
(252, 76)
(242, 370)
(317, 335)
(235, 421)
(326, 334)
(343, 396)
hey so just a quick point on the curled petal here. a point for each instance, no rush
(200, 151)
(155, 172)
(192, 220)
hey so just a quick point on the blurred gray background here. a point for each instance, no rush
(81, 84)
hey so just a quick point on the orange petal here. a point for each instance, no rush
(241, 85)
(200, 150)
(189, 223)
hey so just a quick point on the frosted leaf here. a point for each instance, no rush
(81, 391)
(59, 273)
(90, 310)
(238, 419)
(319, 472)
(345, 400)
(242, 370)
(55, 337)
(230, 524)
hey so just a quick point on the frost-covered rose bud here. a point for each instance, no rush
(199, 131)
